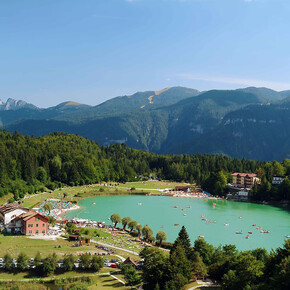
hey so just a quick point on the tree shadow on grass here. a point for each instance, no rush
(110, 282)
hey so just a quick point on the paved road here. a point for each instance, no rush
(206, 283)
(114, 247)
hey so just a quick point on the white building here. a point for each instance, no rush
(277, 180)
(10, 211)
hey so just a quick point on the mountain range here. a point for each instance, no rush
(252, 122)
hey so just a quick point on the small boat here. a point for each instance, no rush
(247, 236)
(176, 224)
(214, 221)
(203, 219)
(258, 228)
(254, 225)
(94, 203)
(183, 209)
(287, 236)
(226, 224)
(139, 203)
(265, 232)
(239, 233)
(189, 206)
(202, 216)
(175, 206)
(201, 236)
(250, 233)
(240, 217)
(184, 214)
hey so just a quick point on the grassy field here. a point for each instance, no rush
(17, 244)
(149, 185)
(78, 192)
(99, 280)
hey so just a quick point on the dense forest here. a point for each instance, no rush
(235, 270)
(29, 164)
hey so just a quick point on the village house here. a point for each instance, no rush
(245, 180)
(30, 223)
(130, 262)
(277, 180)
(183, 188)
(10, 211)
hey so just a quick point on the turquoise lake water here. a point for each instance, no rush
(159, 213)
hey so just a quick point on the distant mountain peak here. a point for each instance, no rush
(12, 104)
(70, 105)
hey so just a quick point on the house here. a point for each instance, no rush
(30, 223)
(245, 180)
(183, 188)
(277, 180)
(10, 211)
(131, 262)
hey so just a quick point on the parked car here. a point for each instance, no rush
(1, 260)
(113, 265)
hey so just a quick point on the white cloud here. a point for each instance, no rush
(237, 81)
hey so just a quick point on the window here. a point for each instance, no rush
(43, 231)
(43, 225)
(37, 219)
(30, 225)
(37, 225)
(36, 231)
(30, 231)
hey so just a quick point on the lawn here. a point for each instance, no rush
(77, 193)
(99, 280)
(16, 244)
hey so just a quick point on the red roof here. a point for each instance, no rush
(244, 174)
(129, 260)
(30, 214)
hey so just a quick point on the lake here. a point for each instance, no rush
(159, 213)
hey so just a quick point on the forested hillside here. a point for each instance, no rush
(28, 164)
(252, 123)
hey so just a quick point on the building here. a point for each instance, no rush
(30, 223)
(10, 211)
(277, 180)
(130, 262)
(183, 188)
(245, 180)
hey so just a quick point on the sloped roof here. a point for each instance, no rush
(129, 260)
(6, 208)
(30, 214)
(182, 187)
(244, 174)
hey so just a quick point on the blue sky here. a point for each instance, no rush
(92, 50)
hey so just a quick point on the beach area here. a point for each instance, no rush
(56, 208)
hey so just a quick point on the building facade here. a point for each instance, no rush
(10, 211)
(245, 180)
(31, 223)
(277, 180)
